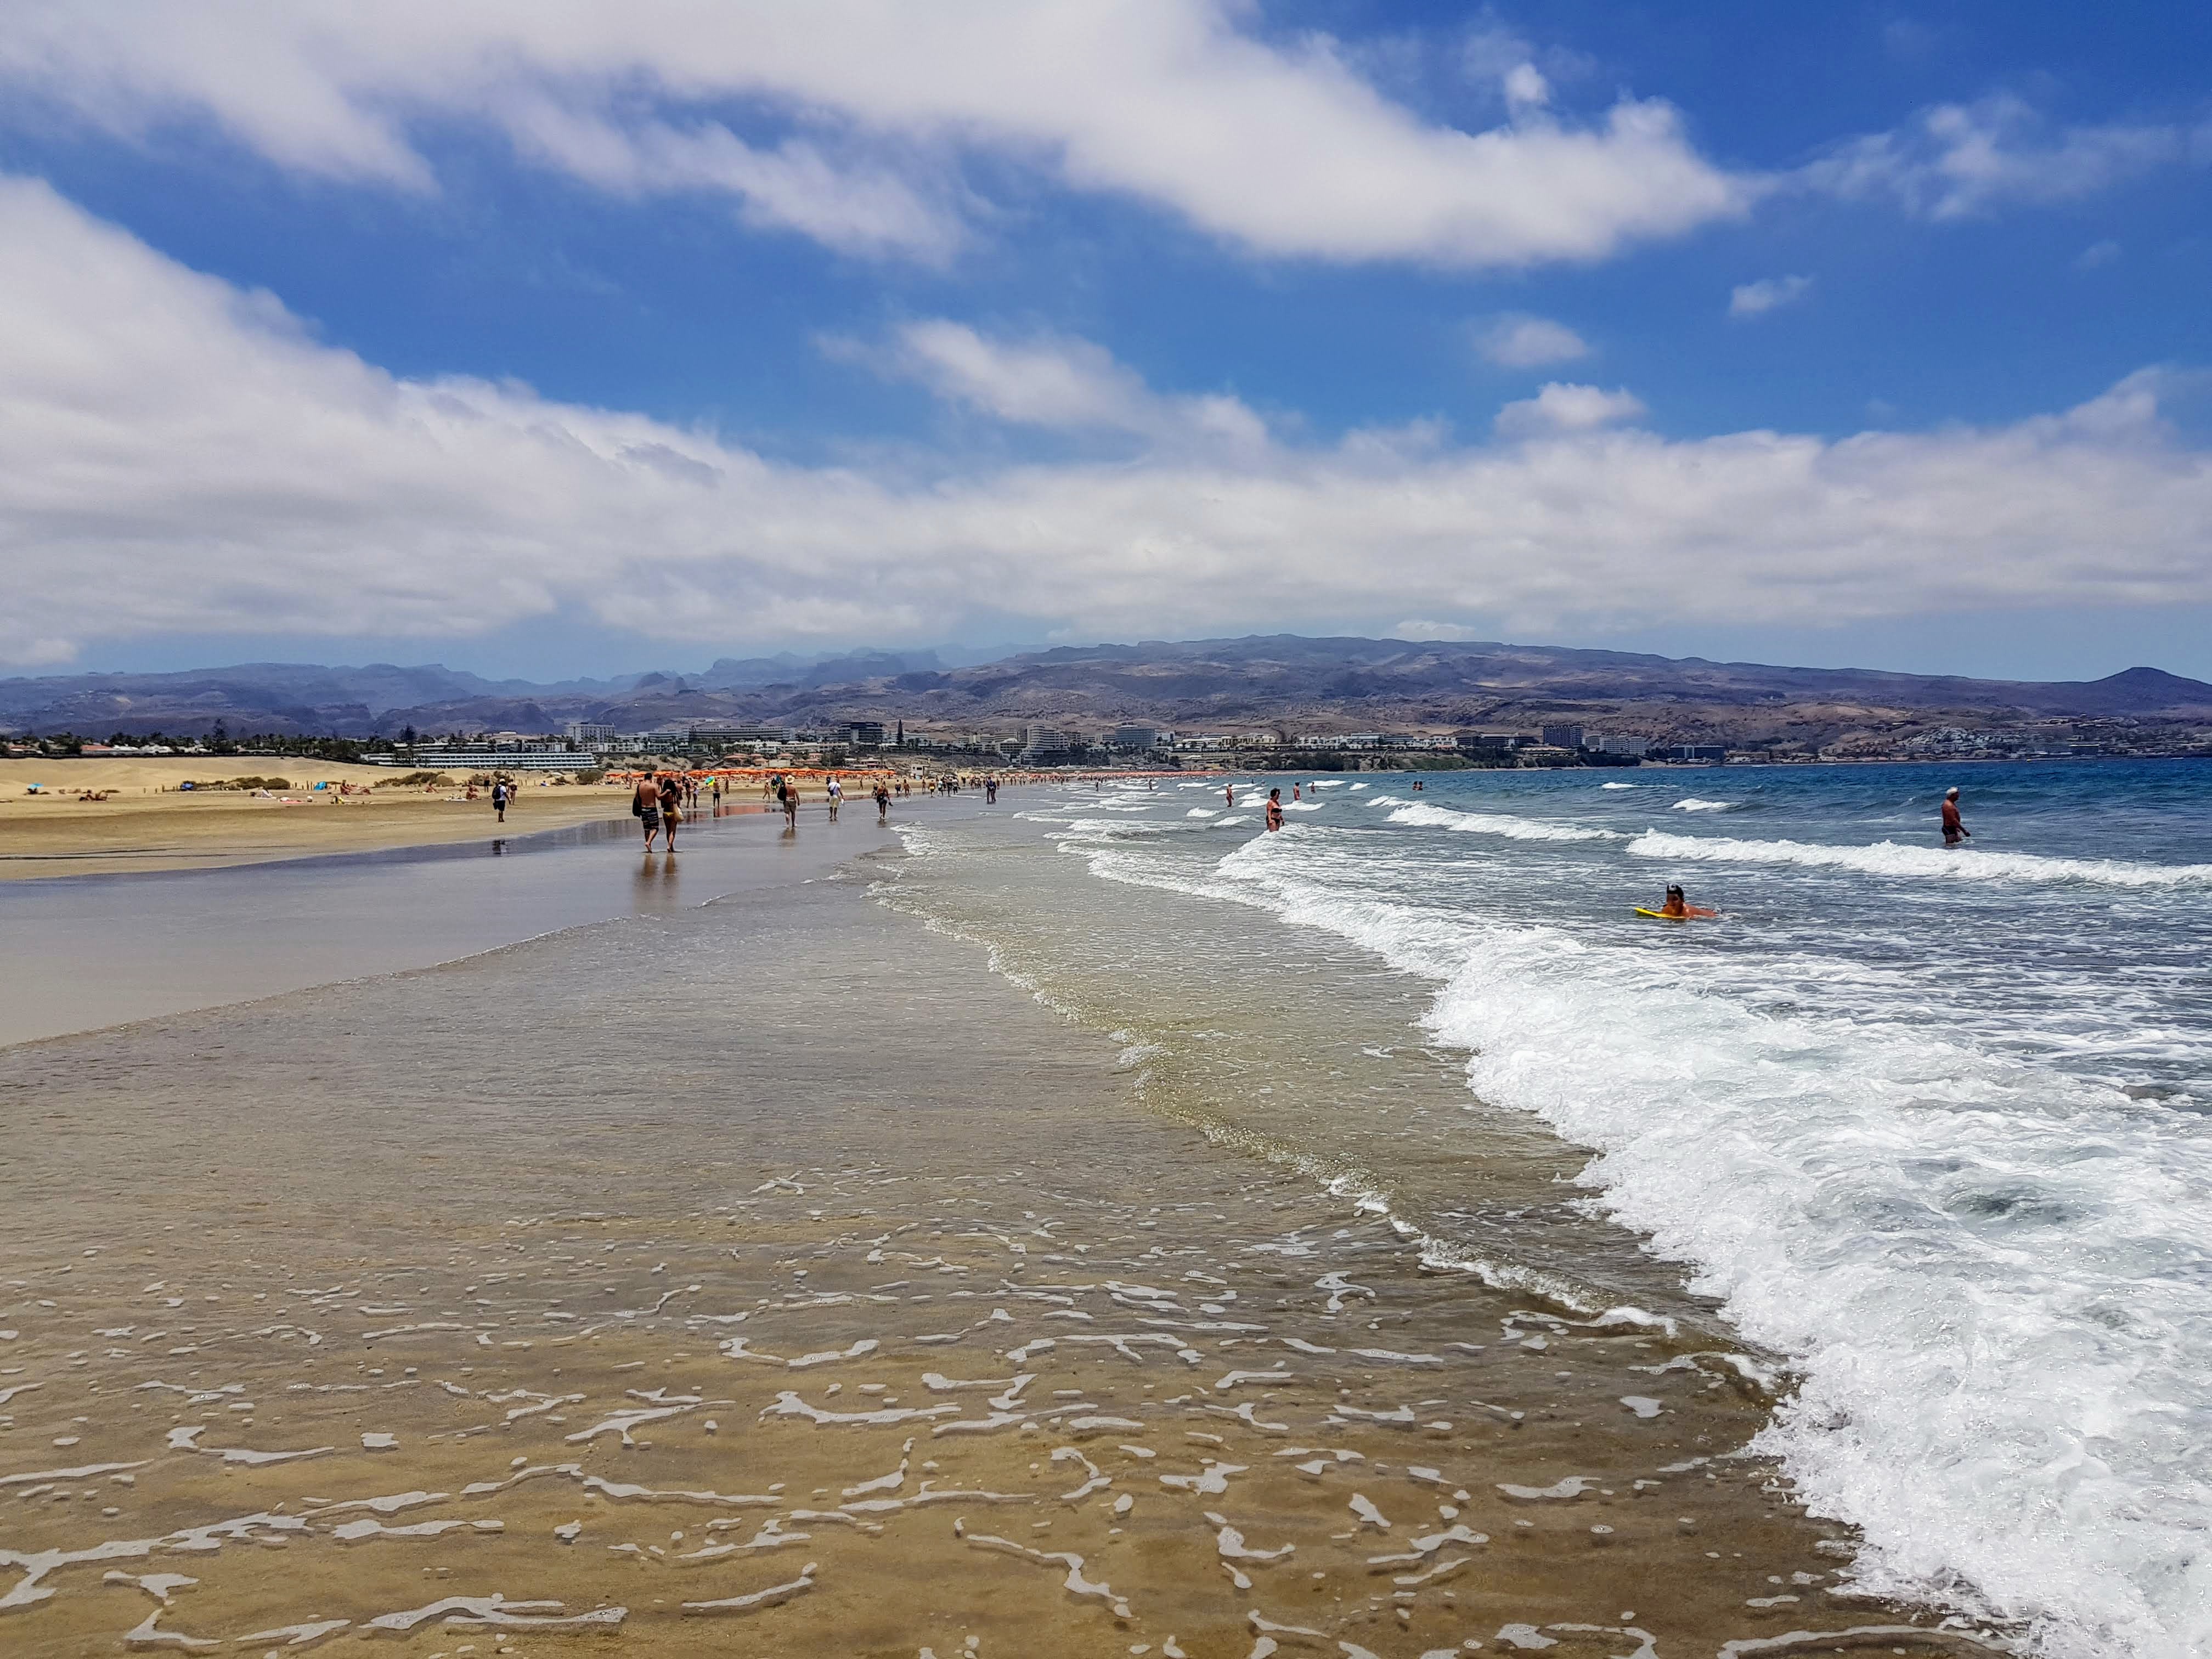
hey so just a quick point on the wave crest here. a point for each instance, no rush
(1497, 823)
(1889, 857)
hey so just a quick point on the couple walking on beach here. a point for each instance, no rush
(657, 804)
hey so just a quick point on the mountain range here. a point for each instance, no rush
(1280, 682)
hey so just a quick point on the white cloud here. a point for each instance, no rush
(1956, 160)
(1284, 151)
(1526, 91)
(1562, 408)
(184, 459)
(1768, 293)
(1057, 383)
(1425, 628)
(2097, 255)
(1518, 341)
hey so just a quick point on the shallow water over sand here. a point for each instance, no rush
(772, 1277)
(115, 948)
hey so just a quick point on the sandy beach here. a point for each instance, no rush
(145, 822)
(772, 1276)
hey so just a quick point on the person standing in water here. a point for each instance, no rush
(645, 804)
(1954, 831)
(883, 804)
(836, 799)
(790, 805)
(1228, 795)
(1274, 809)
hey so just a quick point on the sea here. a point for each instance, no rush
(1925, 1134)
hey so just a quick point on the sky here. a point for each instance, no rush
(550, 337)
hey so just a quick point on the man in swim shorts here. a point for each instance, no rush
(645, 801)
(1954, 830)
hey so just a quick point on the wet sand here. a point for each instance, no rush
(112, 948)
(771, 1276)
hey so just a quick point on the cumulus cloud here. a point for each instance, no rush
(1956, 160)
(1283, 150)
(1516, 340)
(1562, 408)
(185, 457)
(1768, 293)
(1053, 382)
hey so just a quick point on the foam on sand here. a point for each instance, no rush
(1943, 1240)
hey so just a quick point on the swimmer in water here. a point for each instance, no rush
(1679, 909)
(1954, 831)
(1274, 809)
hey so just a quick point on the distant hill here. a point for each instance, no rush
(1274, 681)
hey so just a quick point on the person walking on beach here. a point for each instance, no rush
(790, 805)
(837, 792)
(645, 806)
(1274, 809)
(1954, 831)
(499, 795)
(671, 808)
(883, 804)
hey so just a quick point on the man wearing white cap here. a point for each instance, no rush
(1954, 830)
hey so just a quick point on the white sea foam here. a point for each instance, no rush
(1619, 786)
(1499, 823)
(1888, 858)
(1990, 1276)
(1691, 804)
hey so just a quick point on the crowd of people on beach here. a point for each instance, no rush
(660, 801)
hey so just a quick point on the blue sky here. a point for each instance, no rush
(538, 345)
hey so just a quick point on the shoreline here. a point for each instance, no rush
(922, 1331)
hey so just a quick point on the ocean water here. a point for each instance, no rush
(1924, 1133)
